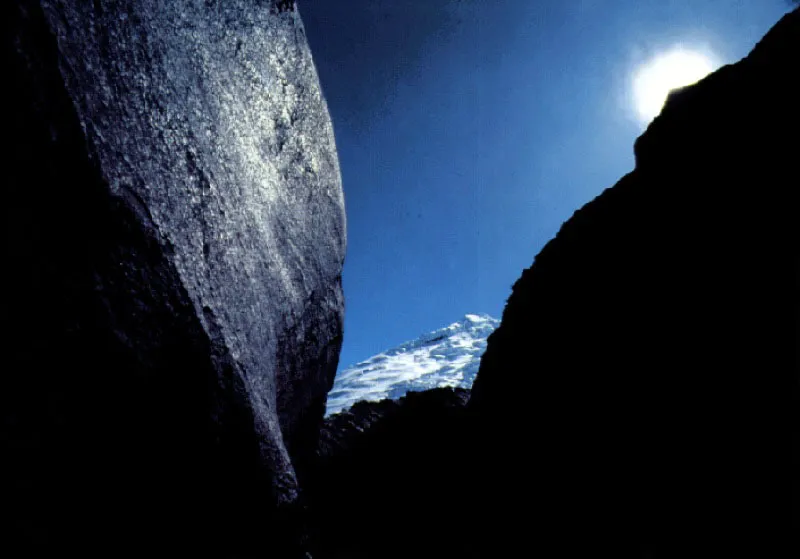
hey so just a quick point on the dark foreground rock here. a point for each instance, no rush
(173, 237)
(626, 386)
(390, 482)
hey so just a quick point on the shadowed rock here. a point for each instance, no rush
(173, 237)
(621, 400)
(390, 480)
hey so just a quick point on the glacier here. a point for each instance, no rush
(449, 356)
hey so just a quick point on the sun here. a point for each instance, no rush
(670, 70)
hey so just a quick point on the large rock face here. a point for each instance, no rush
(174, 233)
(620, 399)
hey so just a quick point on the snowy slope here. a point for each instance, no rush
(446, 357)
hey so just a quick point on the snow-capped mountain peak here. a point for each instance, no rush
(449, 356)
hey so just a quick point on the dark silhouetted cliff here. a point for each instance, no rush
(631, 384)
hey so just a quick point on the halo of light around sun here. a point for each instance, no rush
(669, 70)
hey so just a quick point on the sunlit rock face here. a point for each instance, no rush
(620, 401)
(173, 237)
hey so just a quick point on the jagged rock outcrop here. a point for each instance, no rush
(173, 239)
(621, 401)
(390, 481)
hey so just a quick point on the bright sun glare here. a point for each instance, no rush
(667, 71)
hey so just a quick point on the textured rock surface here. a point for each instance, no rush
(173, 241)
(621, 397)
(390, 480)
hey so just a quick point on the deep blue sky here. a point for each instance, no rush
(469, 130)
